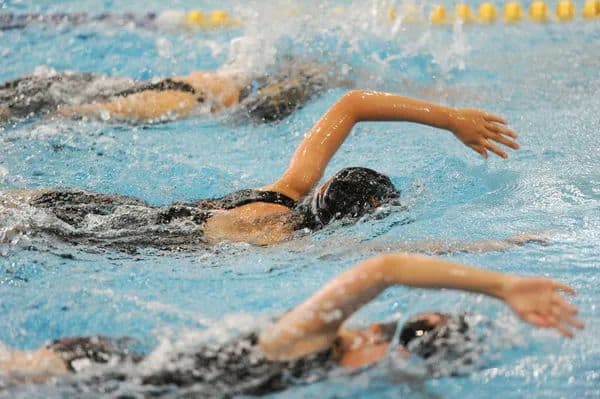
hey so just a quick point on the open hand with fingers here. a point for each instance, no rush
(481, 131)
(538, 301)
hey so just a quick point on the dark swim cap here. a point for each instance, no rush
(352, 192)
(425, 339)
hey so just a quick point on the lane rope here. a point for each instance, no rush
(486, 14)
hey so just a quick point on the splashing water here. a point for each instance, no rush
(541, 77)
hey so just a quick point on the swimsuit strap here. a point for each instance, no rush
(244, 197)
(162, 85)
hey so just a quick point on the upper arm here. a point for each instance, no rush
(318, 146)
(313, 325)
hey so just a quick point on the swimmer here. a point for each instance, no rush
(265, 98)
(312, 338)
(274, 212)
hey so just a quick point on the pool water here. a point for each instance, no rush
(542, 78)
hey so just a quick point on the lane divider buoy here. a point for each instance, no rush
(216, 19)
(410, 13)
(512, 12)
(538, 11)
(565, 10)
(487, 13)
(438, 15)
(591, 9)
(463, 13)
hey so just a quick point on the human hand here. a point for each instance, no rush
(537, 301)
(478, 129)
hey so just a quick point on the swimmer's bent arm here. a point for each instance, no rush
(475, 128)
(314, 324)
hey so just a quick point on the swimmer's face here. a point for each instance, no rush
(359, 348)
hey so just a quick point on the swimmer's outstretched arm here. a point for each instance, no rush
(314, 324)
(475, 128)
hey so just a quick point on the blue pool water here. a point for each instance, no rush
(543, 78)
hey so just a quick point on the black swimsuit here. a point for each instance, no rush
(83, 217)
(161, 85)
(237, 367)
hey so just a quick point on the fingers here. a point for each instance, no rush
(573, 321)
(563, 304)
(565, 311)
(495, 149)
(503, 140)
(536, 320)
(501, 130)
(563, 287)
(494, 118)
(563, 330)
(480, 149)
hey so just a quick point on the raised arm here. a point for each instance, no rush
(313, 325)
(473, 127)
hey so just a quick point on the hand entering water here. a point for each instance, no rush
(477, 129)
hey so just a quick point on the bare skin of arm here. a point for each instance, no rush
(314, 324)
(221, 90)
(475, 128)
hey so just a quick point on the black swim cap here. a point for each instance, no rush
(425, 339)
(351, 192)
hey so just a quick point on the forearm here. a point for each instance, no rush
(346, 293)
(379, 106)
(428, 272)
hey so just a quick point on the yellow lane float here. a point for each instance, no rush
(438, 15)
(538, 11)
(463, 12)
(487, 12)
(512, 12)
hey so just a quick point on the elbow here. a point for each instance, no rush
(351, 103)
(353, 97)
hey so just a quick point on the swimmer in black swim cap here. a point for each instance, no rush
(267, 98)
(274, 212)
(312, 338)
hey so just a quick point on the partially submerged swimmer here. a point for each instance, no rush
(272, 213)
(264, 98)
(312, 338)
